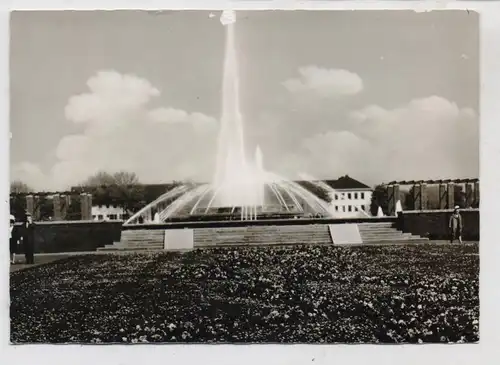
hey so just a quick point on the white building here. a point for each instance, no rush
(107, 213)
(351, 197)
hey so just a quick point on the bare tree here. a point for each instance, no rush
(17, 201)
(99, 179)
(120, 189)
(124, 178)
(120, 178)
(19, 187)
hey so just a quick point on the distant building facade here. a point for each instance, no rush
(351, 197)
(108, 213)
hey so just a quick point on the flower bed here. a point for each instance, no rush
(321, 294)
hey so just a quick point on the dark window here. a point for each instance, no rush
(362, 195)
(349, 196)
(355, 195)
(349, 208)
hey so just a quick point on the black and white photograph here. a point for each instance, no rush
(244, 177)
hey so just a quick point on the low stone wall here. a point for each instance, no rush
(264, 222)
(434, 224)
(74, 236)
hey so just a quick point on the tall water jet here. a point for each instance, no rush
(259, 170)
(239, 186)
(231, 166)
(259, 159)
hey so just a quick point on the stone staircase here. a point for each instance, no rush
(386, 233)
(153, 239)
(138, 240)
(262, 235)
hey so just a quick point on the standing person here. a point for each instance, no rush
(455, 225)
(13, 240)
(29, 239)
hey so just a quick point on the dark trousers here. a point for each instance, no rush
(29, 254)
(455, 235)
(30, 258)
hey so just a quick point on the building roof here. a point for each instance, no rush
(347, 183)
(153, 191)
(434, 182)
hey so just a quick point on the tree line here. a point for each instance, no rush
(123, 189)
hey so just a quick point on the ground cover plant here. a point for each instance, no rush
(300, 294)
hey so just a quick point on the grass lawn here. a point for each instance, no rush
(393, 294)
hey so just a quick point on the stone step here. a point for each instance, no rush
(110, 249)
(415, 240)
(382, 224)
(362, 227)
(147, 245)
(267, 234)
(144, 230)
(264, 235)
(132, 231)
(143, 240)
(149, 233)
(200, 231)
(145, 234)
(143, 243)
(391, 239)
(260, 231)
(393, 231)
(377, 229)
(386, 237)
(257, 233)
(239, 244)
(259, 238)
(268, 242)
(396, 236)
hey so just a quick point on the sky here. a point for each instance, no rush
(377, 95)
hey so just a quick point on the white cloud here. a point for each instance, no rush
(28, 173)
(325, 82)
(72, 147)
(111, 96)
(424, 139)
(171, 115)
(430, 137)
(168, 115)
(122, 133)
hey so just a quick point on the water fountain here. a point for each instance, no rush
(241, 185)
